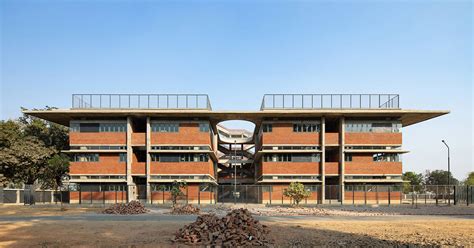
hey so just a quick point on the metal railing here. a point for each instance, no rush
(330, 101)
(141, 101)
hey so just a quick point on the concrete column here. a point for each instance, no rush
(323, 159)
(131, 193)
(18, 196)
(148, 159)
(341, 158)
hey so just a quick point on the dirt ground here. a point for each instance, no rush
(82, 227)
(284, 233)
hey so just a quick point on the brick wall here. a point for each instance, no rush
(105, 138)
(272, 168)
(282, 133)
(364, 164)
(108, 164)
(373, 138)
(188, 134)
(182, 168)
(331, 168)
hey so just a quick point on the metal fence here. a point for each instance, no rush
(330, 101)
(260, 194)
(141, 101)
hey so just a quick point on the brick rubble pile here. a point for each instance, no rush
(133, 207)
(237, 228)
(185, 209)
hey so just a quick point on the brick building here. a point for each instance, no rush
(126, 147)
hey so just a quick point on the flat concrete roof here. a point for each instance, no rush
(63, 116)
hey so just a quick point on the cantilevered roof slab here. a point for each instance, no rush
(63, 116)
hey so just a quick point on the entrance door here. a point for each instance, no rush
(140, 189)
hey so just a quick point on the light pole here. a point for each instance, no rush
(235, 172)
(449, 173)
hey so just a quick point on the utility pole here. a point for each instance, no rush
(449, 173)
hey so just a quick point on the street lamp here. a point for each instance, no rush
(449, 173)
(235, 172)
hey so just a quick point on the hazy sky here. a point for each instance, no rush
(236, 51)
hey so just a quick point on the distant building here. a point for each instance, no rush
(126, 147)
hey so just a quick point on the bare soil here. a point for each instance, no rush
(284, 234)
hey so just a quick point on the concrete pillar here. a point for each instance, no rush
(341, 158)
(18, 196)
(130, 185)
(148, 159)
(323, 159)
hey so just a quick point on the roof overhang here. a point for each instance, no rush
(64, 116)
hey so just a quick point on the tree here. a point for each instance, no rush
(24, 160)
(296, 192)
(470, 179)
(439, 177)
(27, 148)
(414, 181)
(175, 190)
(55, 172)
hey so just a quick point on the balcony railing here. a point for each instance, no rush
(330, 101)
(141, 101)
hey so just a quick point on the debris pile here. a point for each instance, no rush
(133, 207)
(237, 228)
(186, 209)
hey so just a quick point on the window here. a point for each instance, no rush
(187, 157)
(283, 157)
(93, 157)
(267, 128)
(122, 157)
(89, 127)
(113, 127)
(306, 128)
(348, 157)
(98, 127)
(373, 126)
(165, 127)
(204, 127)
(386, 157)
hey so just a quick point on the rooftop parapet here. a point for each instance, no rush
(141, 101)
(330, 101)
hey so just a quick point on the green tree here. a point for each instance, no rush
(55, 172)
(27, 148)
(470, 179)
(414, 181)
(175, 190)
(439, 177)
(296, 192)
(25, 160)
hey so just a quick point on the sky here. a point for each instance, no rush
(236, 51)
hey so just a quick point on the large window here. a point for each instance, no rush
(284, 157)
(375, 127)
(98, 127)
(92, 157)
(165, 127)
(267, 128)
(187, 157)
(387, 157)
(306, 127)
(204, 127)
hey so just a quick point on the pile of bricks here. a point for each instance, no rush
(186, 209)
(237, 228)
(133, 207)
